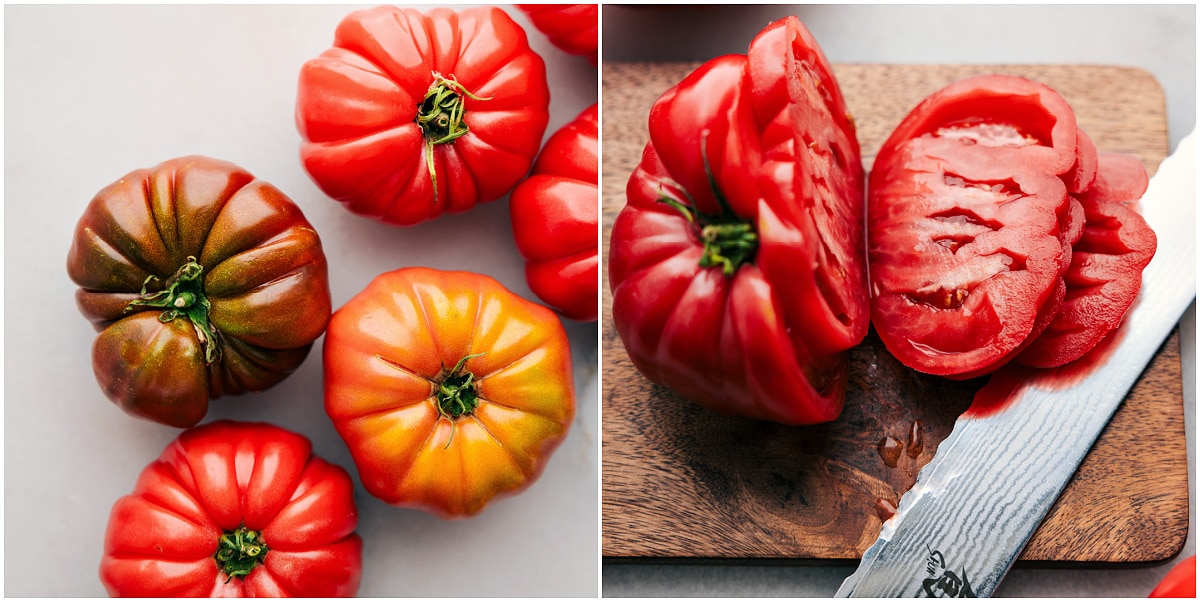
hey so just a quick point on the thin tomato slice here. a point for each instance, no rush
(1105, 272)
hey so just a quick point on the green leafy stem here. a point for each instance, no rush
(440, 117)
(457, 394)
(239, 551)
(729, 240)
(183, 296)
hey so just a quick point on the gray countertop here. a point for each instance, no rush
(1158, 39)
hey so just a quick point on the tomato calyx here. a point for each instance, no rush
(183, 296)
(729, 240)
(440, 117)
(239, 551)
(457, 395)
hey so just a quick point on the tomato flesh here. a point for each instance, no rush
(996, 231)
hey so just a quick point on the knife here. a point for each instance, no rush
(973, 508)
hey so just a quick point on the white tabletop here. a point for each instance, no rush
(1158, 39)
(93, 92)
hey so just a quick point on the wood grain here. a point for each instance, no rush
(682, 483)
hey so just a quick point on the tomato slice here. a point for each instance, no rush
(969, 220)
(1106, 264)
(736, 266)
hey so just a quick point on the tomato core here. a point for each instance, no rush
(239, 551)
(729, 242)
(183, 296)
(457, 395)
(728, 245)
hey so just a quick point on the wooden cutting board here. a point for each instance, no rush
(682, 483)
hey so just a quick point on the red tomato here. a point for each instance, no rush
(235, 510)
(410, 115)
(554, 216)
(737, 265)
(202, 281)
(572, 28)
(449, 390)
(970, 224)
(1180, 582)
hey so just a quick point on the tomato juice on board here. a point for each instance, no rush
(1004, 385)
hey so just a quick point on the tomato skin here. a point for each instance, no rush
(555, 215)
(969, 221)
(357, 105)
(572, 28)
(390, 350)
(1180, 582)
(162, 538)
(262, 270)
(739, 137)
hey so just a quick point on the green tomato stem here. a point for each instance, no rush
(239, 552)
(729, 240)
(457, 394)
(183, 296)
(440, 117)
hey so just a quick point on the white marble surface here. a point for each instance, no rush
(93, 92)
(1159, 39)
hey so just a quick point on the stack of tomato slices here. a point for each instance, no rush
(737, 265)
(997, 233)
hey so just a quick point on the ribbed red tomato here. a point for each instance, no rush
(572, 28)
(235, 510)
(409, 115)
(555, 215)
(737, 266)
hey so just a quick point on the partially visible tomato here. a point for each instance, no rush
(410, 116)
(737, 265)
(1180, 582)
(555, 214)
(202, 281)
(572, 28)
(235, 510)
(449, 390)
(969, 224)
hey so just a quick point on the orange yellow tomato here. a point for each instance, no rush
(448, 389)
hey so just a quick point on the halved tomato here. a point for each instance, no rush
(737, 265)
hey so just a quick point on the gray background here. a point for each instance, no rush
(1159, 39)
(93, 92)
